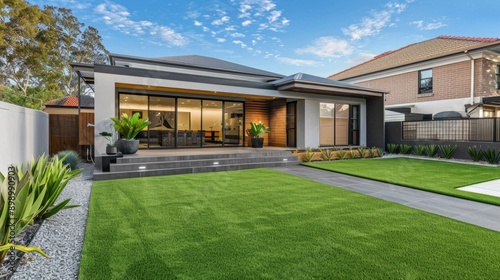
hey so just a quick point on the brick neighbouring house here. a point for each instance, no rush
(443, 74)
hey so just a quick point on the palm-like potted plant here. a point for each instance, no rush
(129, 127)
(255, 131)
(111, 147)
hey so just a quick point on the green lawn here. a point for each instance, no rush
(263, 224)
(435, 176)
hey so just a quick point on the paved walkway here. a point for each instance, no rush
(477, 213)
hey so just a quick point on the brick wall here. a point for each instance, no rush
(449, 82)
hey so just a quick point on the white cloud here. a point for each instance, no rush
(237, 35)
(221, 21)
(327, 47)
(197, 23)
(428, 26)
(240, 43)
(220, 40)
(246, 22)
(119, 18)
(274, 16)
(298, 62)
(369, 25)
(373, 24)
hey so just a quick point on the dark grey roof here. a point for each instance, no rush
(199, 61)
(314, 84)
(316, 80)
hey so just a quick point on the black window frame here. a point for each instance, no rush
(427, 88)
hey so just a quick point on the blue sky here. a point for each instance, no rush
(281, 36)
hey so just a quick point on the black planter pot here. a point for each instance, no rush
(127, 146)
(111, 150)
(257, 142)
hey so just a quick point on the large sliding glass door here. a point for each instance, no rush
(163, 125)
(334, 125)
(212, 123)
(186, 122)
(233, 123)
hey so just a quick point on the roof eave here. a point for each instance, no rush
(328, 89)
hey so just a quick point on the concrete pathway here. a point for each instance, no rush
(477, 213)
(490, 188)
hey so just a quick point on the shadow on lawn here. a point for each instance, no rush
(150, 266)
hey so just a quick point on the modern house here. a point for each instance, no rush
(201, 102)
(444, 77)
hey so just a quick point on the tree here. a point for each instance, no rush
(74, 45)
(36, 49)
(26, 42)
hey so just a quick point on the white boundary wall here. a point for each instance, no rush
(24, 134)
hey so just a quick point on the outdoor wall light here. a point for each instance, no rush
(216, 163)
(142, 167)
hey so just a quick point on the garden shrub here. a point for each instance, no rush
(418, 150)
(404, 149)
(392, 148)
(491, 155)
(475, 153)
(308, 156)
(447, 150)
(431, 150)
(362, 151)
(326, 154)
(70, 158)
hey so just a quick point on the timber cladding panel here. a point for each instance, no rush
(86, 135)
(63, 133)
(272, 114)
(68, 132)
(256, 111)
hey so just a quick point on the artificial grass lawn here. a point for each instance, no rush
(435, 176)
(263, 224)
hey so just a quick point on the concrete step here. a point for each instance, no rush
(144, 159)
(166, 164)
(185, 170)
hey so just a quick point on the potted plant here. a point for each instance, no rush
(111, 147)
(129, 127)
(255, 131)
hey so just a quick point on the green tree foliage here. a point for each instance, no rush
(37, 46)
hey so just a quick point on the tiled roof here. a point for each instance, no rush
(72, 101)
(418, 52)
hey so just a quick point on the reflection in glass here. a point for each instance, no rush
(212, 123)
(233, 123)
(130, 104)
(188, 123)
(162, 118)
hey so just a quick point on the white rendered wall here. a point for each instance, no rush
(25, 135)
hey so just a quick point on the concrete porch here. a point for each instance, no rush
(147, 163)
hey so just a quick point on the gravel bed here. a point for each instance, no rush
(61, 236)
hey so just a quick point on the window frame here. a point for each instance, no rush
(424, 90)
(497, 76)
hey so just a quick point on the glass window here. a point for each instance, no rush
(497, 72)
(425, 81)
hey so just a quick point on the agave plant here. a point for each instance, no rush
(129, 127)
(326, 154)
(18, 208)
